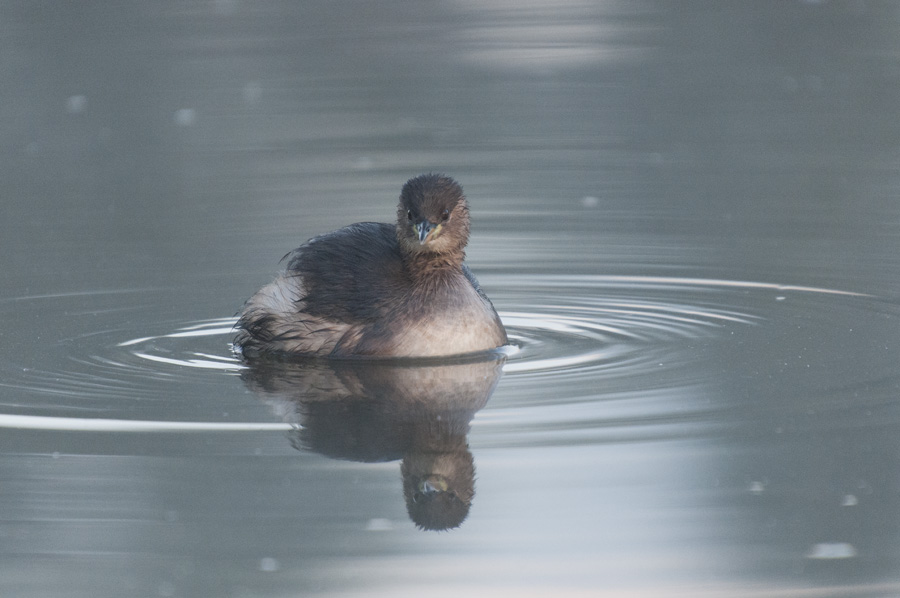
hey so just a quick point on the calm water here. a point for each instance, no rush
(687, 215)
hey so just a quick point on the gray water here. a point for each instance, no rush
(686, 214)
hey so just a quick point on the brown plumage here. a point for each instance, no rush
(379, 290)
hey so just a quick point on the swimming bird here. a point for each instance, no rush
(379, 290)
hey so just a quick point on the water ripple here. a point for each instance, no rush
(569, 333)
(586, 320)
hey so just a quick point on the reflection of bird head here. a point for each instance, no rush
(439, 487)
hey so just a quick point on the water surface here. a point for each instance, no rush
(685, 214)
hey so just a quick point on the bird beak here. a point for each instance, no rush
(426, 231)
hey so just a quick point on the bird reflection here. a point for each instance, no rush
(382, 411)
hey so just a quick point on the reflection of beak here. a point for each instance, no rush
(426, 231)
(432, 485)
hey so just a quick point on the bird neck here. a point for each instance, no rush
(422, 264)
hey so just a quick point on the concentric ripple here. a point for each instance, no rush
(570, 333)
(576, 320)
(616, 322)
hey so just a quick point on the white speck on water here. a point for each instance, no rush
(185, 117)
(780, 298)
(252, 92)
(76, 104)
(54, 455)
(849, 500)
(589, 201)
(379, 525)
(269, 565)
(757, 488)
(831, 550)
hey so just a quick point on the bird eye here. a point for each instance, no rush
(409, 215)
(445, 215)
